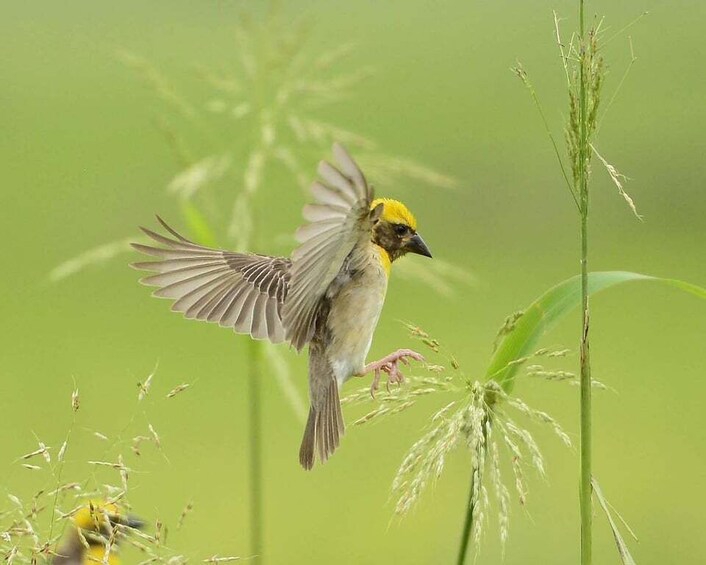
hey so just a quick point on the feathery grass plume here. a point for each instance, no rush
(507, 327)
(95, 256)
(177, 390)
(512, 351)
(144, 388)
(265, 101)
(34, 525)
(479, 417)
(194, 177)
(618, 179)
(540, 372)
(399, 399)
(263, 121)
(584, 71)
(184, 513)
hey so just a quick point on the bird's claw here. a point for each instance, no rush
(376, 382)
(390, 365)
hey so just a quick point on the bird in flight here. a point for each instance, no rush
(328, 294)
(97, 528)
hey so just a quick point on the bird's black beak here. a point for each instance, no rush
(134, 522)
(130, 520)
(416, 245)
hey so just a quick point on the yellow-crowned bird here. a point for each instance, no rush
(95, 526)
(328, 294)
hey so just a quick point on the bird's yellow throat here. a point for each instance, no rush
(385, 260)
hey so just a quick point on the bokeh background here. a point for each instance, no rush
(85, 160)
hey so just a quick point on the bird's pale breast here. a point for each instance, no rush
(354, 314)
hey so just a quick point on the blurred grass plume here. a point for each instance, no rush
(255, 117)
(33, 524)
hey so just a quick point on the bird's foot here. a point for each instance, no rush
(390, 365)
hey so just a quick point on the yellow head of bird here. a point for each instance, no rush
(95, 515)
(395, 229)
(95, 523)
(394, 212)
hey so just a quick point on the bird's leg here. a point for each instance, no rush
(389, 365)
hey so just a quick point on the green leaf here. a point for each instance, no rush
(623, 550)
(548, 309)
(198, 224)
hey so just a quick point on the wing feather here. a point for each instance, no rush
(169, 264)
(275, 330)
(182, 274)
(181, 244)
(219, 310)
(202, 296)
(166, 253)
(333, 178)
(214, 296)
(231, 289)
(327, 195)
(204, 280)
(244, 322)
(351, 170)
(322, 212)
(268, 297)
(259, 324)
(339, 220)
(230, 316)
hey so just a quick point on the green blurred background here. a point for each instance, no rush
(83, 164)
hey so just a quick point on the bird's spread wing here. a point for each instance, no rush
(339, 220)
(239, 290)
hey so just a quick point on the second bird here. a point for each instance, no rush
(327, 295)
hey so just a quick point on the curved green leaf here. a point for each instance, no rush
(548, 309)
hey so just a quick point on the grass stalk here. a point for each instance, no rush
(255, 431)
(585, 361)
(467, 527)
(476, 482)
(585, 386)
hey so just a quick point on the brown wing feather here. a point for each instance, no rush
(338, 221)
(244, 291)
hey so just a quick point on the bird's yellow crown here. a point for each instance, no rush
(94, 514)
(395, 212)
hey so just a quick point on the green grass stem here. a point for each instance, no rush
(585, 359)
(467, 527)
(255, 430)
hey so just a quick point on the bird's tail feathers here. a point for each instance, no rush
(324, 429)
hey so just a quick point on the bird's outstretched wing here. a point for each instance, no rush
(239, 290)
(339, 220)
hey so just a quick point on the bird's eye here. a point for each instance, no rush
(401, 229)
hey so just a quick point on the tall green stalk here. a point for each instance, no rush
(204, 234)
(255, 431)
(250, 185)
(467, 527)
(585, 361)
